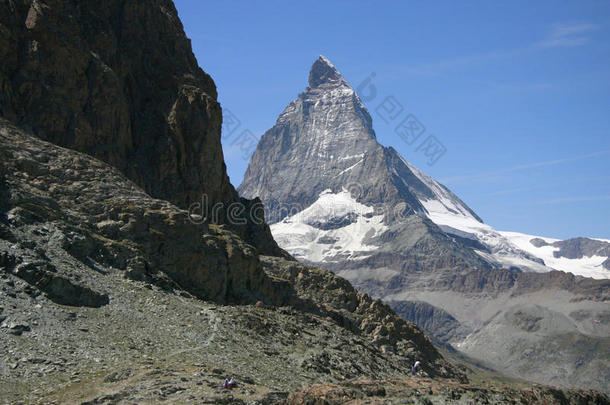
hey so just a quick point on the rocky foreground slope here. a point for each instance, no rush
(426, 391)
(96, 276)
(106, 297)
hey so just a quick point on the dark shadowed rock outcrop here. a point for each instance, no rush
(58, 200)
(432, 320)
(118, 80)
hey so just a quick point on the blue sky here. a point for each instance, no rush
(517, 92)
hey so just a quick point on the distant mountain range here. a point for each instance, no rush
(337, 198)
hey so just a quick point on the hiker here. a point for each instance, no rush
(232, 383)
(225, 384)
(415, 367)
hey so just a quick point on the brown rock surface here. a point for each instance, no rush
(425, 391)
(336, 298)
(105, 218)
(118, 80)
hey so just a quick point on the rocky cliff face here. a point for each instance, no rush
(63, 203)
(432, 320)
(118, 80)
(294, 159)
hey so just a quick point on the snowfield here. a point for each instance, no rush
(304, 235)
(510, 248)
(310, 234)
(585, 266)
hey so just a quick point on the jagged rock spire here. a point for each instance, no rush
(324, 72)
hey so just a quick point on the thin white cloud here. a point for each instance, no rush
(547, 185)
(563, 200)
(559, 35)
(494, 176)
(514, 191)
(558, 161)
(568, 35)
(438, 67)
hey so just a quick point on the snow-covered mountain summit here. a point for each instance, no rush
(336, 197)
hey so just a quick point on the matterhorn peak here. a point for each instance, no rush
(324, 72)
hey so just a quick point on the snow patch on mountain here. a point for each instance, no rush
(509, 248)
(360, 155)
(349, 168)
(586, 266)
(444, 197)
(335, 227)
(465, 225)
